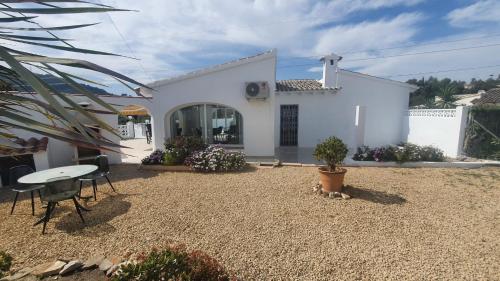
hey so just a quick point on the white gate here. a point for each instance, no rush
(132, 131)
(140, 131)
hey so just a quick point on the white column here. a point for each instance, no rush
(130, 129)
(41, 160)
(461, 117)
(359, 124)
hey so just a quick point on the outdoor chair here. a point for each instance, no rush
(16, 173)
(57, 190)
(102, 164)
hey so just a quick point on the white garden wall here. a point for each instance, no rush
(443, 128)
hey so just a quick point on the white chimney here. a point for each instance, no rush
(330, 70)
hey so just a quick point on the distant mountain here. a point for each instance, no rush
(61, 86)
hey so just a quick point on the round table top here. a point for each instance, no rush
(65, 172)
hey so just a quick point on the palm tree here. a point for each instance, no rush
(16, 71)
(447, 97)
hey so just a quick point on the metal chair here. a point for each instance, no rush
(16, 173)
(57, 190)
(101, 162)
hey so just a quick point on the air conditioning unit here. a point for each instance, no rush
(256, 90)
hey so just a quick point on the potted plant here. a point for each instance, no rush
(333, 152)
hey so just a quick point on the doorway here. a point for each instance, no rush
(289, 124)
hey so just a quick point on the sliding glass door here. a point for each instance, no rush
(216, 124)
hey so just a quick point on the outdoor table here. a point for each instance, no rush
(41, 177)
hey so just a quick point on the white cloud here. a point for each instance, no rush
(368, 35)
(479, 12)
(170, 37)
(318, 69)
(441, 61)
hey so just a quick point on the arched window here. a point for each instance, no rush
(217, 124)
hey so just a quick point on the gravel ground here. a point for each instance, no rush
(267, 224)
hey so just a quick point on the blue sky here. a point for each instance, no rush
(172, 37)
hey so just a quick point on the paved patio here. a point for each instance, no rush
(266, 224)
(136, 151)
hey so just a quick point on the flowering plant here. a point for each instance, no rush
(154, 158)
(216, 159)
(404, 152)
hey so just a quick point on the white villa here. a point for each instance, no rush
(241, 105)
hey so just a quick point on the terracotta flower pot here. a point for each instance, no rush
(332, 181)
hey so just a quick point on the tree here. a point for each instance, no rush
(431, 87)
(447, 97)
(55, 106)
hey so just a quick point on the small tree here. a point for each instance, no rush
(332, 151)
(447, 97)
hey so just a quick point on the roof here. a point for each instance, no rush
(298, 85)
(490, 97)
(215, 68)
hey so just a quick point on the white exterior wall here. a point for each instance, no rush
(443, 128)
(61, 153)
(224, 87)
(382, 104)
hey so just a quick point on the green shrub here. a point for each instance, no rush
(384, 153)
(189, 144)
(177, 149)
(363, 153)
(173, 263)
(5, 263)
(174, 156)
(431, 153)
(407, 152)
(404, 152)
(480, 143)
(333, 151)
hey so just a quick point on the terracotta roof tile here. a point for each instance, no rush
(298, 85)
(490, 97)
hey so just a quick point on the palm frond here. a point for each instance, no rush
(61, 111)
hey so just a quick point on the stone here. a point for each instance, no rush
(112, 270)
(93, 262)
(337, 194)
(331, 194)
(39, 269)
(345, 196)
(116, 260)
(54, 269)
(18, 275)
(70, 267)
(24, 278)
(105, 265)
